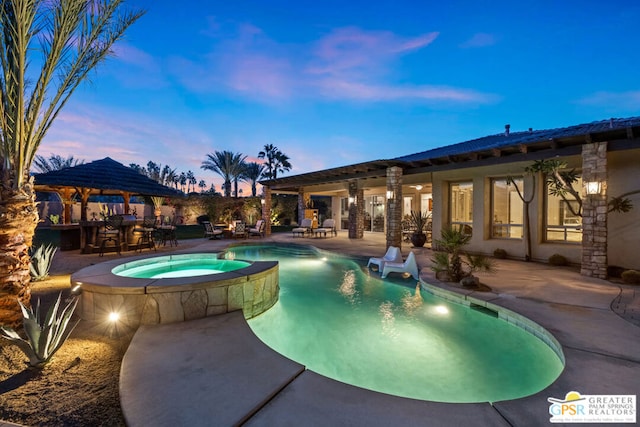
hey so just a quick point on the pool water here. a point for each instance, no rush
(345, 323)
(165, 267)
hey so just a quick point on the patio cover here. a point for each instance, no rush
(103, 177)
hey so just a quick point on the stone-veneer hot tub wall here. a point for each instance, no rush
(252, 289)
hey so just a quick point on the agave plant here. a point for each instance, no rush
(41, 261)
(44, 336)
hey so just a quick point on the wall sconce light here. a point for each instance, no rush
(391, 195)
(593, 187)
(352, 200)
(263, 201)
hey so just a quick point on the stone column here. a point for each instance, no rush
(594, 212)
(356, 211)
(303, 202)
(394, 206)
(266, 210)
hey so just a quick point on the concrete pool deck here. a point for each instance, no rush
(180, 374)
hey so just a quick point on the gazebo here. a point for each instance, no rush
(104, 177)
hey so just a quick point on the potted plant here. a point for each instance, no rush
(418, 222)
(157, 204)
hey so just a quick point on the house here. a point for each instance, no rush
(476, 184)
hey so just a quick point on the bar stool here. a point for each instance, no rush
(146, 230)
(111, 232)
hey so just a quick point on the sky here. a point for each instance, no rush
(333, 83)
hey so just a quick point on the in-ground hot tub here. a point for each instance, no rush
(175, 288)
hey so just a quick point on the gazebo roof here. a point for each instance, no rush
(104, 176)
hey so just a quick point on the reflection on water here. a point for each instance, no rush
(411, 303)
(388, 319)
(348, 287)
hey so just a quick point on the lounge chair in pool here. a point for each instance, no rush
(409, 266)
(393, 255)
(258, 230)
(305, 228)
(328, 226)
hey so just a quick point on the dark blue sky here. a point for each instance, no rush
(334, 82)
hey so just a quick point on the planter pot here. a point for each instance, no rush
(418, 239)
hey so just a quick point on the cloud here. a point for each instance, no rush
(346, 64)
(479, 40)
(90, 132)
(350, 49)
(146, 71)
(629, 100)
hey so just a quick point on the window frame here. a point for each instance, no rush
(561, 228)
(505, 228)
(466, 225)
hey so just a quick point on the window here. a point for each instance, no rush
(461, 209)
(507, 209)
(563, 219)
(407, 203)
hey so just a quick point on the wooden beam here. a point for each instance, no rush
(588, 138)
(523, 148)
(496, 152)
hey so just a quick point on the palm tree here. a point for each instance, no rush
(226, 164)
(166, 175)
(252, 173)
(183, 181)
(191, 182)
(276, 162)
(67, 40)
(202, 185)
(55, 162)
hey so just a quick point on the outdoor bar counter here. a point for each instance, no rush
(90, 242)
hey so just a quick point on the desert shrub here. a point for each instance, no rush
(451, 262)
(558, 260)
(500, 253)
(41, 260)
(631, 276)
(45, 334)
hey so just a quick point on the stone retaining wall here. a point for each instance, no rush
(253, 290)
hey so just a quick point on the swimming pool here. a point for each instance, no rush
(342, 322)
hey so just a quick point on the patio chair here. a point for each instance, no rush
(146, 230)
(258, 230)
(305, 228)
(328, 226)
(210, 231)
(168, 232)
(409, 266)
(111, 233)
(393, 255)
(240, 230)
